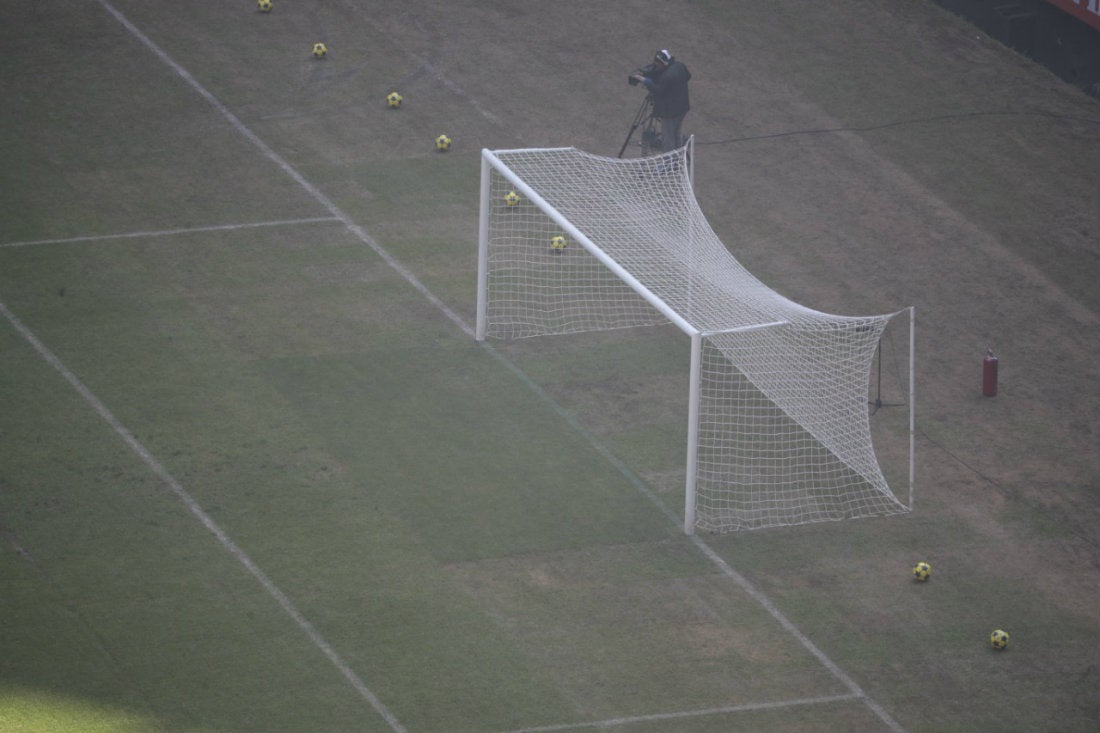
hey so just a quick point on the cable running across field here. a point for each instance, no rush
(899, 123)
(855, 691)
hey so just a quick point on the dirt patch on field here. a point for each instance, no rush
(605, 620)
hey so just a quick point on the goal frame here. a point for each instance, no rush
(490, 162)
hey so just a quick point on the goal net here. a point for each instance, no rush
(778, 421)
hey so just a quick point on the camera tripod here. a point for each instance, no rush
(651, 137)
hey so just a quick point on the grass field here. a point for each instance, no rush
(257, 476)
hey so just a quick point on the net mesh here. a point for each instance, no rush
(783, 426)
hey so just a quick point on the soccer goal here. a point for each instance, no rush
(778, 424)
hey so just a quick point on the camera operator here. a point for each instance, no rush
(667, 80)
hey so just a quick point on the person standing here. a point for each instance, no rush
(667, 80)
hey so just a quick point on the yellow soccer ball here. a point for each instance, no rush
(443, 143)
(998, 639)
(558, 244)
(922, 571)
(320, 50)
(264, 5)
(393, 100)
(511, 198)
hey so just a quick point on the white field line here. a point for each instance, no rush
(789, 625)
(456, 89)
(193, 506)
(172, 232)
(747, 707)
(362, 235)
(278, 160)
(856, 692)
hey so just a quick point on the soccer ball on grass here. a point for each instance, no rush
(393, 100)
(443, 143)
(264, 5)
(998, 639)
(320, 50)
(922, 571)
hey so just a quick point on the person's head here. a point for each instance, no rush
(662, 58)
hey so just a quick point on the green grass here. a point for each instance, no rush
(471, 528)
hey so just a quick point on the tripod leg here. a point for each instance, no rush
(642, 116)
(651, 138)
(627, 141)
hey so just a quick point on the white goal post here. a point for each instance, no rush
(778, 423)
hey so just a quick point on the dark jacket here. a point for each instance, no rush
(670, 91)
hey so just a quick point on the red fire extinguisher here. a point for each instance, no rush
(989, 374)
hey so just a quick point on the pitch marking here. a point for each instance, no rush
(278, 160)
(724, 567)
(172, 232)
(747, 707)
(405, 273)
(193, 506)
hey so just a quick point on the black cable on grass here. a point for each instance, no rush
(1015, 495)
(902, 123)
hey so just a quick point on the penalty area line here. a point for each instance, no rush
(358, 231)
(174, 232)
(744, 708)
(856, 692)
